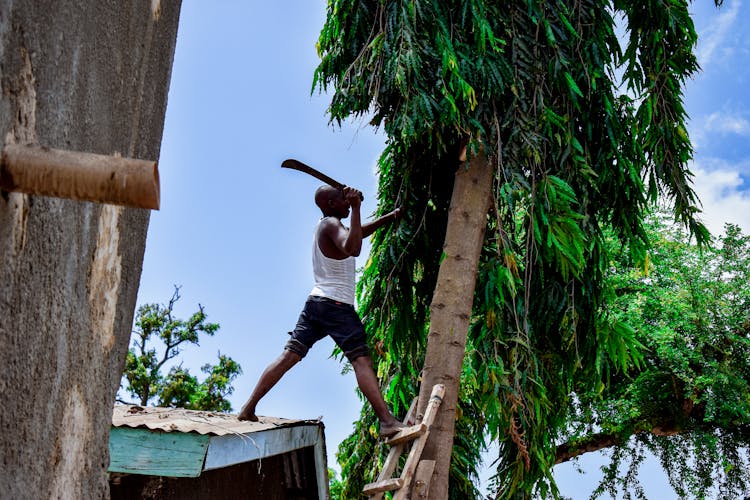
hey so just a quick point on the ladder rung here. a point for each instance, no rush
(387, 485)
(407, 434)
(417, 433)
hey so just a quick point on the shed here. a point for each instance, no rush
(168, 453)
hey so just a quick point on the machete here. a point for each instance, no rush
(298, 165)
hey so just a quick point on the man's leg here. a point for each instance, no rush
(368, 384)
(271, 375)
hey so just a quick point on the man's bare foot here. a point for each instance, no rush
(390, 429)
(248, 414)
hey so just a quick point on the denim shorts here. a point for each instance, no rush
(322, 316)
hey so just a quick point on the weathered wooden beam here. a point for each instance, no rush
(156, 453)
(407, 434)
(393, 456)
(391, 484)
(80, 176)
(421, 487)
(410, 467)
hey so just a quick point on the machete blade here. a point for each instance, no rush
(298, 165)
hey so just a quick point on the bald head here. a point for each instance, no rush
(325, 194)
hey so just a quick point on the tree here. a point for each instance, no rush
(85, 76)
(178, 388)
(335, 485)
(687, 401)
(534, 85)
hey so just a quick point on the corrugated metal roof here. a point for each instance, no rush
(202, 422)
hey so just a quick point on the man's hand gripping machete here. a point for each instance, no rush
(298, 165)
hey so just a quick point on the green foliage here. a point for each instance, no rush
(536, 85)
(688, 401)
(335, 485)
(143, 376)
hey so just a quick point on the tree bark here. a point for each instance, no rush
(450, 310)
(91, 76)
(595, 442)
(602, 440)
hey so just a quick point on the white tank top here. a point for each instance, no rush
(334, 278)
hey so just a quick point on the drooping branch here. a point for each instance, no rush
(602, 440)
(595, 442)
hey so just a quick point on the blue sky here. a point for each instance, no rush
(235, 230)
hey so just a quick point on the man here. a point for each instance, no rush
(329, 309)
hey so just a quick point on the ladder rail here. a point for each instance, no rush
(389, 466)
(416, 450)
(419, 435)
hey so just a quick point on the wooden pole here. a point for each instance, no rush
(80, 176)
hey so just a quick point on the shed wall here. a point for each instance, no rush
(290, 476)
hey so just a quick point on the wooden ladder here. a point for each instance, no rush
(420, 470)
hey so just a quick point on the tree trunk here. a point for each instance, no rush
(92, 76)
(450, 310)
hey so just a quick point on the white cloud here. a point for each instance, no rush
(727, 123)
(718, 123)
(724, 196)
(713, 37)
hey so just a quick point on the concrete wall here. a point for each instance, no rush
(87, 75)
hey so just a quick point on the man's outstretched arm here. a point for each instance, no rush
(370, 227)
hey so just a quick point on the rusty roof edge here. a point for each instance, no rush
(200, 422)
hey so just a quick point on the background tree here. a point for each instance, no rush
(335, 485)
(143, 377)
(687, 401)
(536, 85)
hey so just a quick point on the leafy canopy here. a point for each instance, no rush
(687, 402)
(156, 325)
(585, 133)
